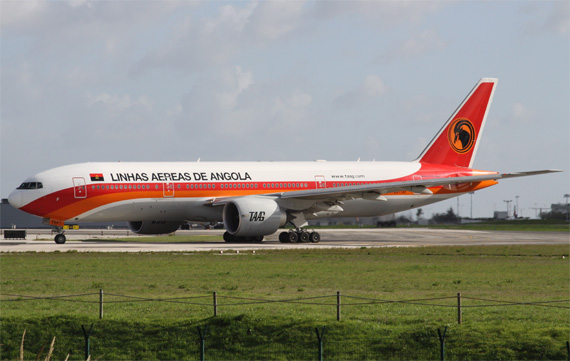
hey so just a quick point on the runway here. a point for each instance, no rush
(102, 241)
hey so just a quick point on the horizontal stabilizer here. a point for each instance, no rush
(529, 173)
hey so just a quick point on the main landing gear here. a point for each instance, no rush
(299, 236)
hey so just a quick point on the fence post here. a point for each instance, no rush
(100, 304)
(215, 304)
(86, 335)
(459, 308)
(202, 342)
(320, 338)
(442, 342)
(338, 305)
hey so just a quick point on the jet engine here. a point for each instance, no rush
(154, 227)
(253, 216)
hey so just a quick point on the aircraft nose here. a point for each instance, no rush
(15, 199)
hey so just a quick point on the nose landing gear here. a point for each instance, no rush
(60, 238)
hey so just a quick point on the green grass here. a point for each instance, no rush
(161, 330)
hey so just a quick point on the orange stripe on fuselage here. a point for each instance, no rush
(63, 204)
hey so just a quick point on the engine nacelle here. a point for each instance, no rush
(154, 227)
(250, 216)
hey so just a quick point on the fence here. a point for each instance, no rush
(316, 301)
(323, 346)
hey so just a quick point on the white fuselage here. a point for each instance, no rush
(179, 190)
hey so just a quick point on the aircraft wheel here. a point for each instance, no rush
(292, 237)
(60, 238)
(229, 238)
(303, 237)
(258, 239)
(315, 237)
(283, 237)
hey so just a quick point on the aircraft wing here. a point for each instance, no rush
(377, 189)
(415, 186)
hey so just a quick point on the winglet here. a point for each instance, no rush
(456, 143)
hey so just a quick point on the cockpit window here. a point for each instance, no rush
(31, 185)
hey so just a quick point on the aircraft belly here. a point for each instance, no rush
(154, 210)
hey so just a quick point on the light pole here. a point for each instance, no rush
(471, 204)
(458, 207)
(567, 209)
(508, 202)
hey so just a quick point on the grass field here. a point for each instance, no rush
(167, 330)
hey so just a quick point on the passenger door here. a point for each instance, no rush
(79, 187)
(168, 188)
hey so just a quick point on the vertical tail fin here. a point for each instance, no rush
(457, 142)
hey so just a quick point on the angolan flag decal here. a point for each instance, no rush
(96, 177)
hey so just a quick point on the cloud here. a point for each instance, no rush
(423, 42)
(382, 14)
(115, 105)
(213, 41)
(290, 111)
(273, 20)
(520, 114)
(547, 18)
(232, 105)
(559, 19)
(15, 14)
(371, 87)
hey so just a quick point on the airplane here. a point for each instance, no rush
(255, 199)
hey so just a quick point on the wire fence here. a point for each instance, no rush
(217, 301)
(212, 345)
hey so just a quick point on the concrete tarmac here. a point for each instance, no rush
(102, 241)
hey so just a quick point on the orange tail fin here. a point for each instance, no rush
(457, 142)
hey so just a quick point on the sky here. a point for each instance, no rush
(285, 80)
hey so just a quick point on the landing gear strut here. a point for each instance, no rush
(299, 236)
